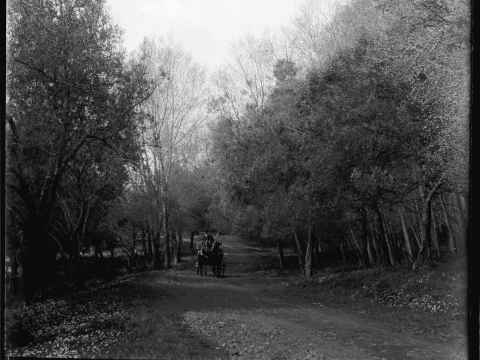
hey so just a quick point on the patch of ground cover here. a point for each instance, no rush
(119, 319)
(424, 306)
(68, 327)
(428, 302)
(155, 328)
(264, 334)
(233, 333)
(261, 314)
(157, 334)
(439, 289)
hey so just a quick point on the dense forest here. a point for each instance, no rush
(363, 151)
(345, 139)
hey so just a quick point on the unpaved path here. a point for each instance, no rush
(249, 315)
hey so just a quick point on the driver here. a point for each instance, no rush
(217, 244)
(210, 241)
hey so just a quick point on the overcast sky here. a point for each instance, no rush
(205, 28)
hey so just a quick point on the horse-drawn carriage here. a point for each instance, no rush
(210, 253)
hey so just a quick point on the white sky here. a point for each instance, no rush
(205, 28)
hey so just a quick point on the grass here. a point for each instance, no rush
(438, 289)
(429, 302)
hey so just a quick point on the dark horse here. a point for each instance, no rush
(217, 261)
(214, 258)
(202, 261)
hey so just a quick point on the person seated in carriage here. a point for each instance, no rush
(217, 246)
(209, 241)
(201, 253)
(203, 241)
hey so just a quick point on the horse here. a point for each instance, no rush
(216, 260)
(202, 262)
(213, 258)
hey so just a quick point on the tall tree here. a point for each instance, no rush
(68, 88)
(172, 115)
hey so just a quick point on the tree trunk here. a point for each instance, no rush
(358, 250)
(299, 250)
(366, 246)
(396, 242)
(134, 247)
(280, 254)
(426, 217)
(174, 248)
(425, 235)
(134, 238)
(373, 243)
(406, 239)
(390, 242)
(341, 249)
(371, 259)
(14, 272)
(83, 229)
(416, 229)
(435, 246)
(462, 207)
(179, 246)
(192, 246)
(38, 263)
(150, 240)
(384, 235)
(318, 250)
(452, 248)
(166, 232)
(308, 253)
(157, 264)
(462, 221)
(144, 243)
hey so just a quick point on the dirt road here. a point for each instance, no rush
(249, 315)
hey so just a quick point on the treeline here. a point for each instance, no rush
(90, 162)
(351, 138)
(361, 149)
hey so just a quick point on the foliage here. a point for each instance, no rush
(356, 135)
(72, 123)
(65, 327)
(354, 140)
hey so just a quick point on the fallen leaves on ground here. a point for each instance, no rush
(66, 328)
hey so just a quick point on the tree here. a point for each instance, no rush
(172, 114)
(356, 139)
(68, 89)
(243, 85)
